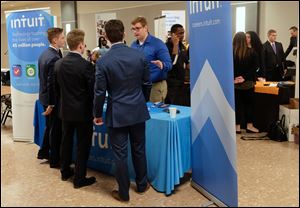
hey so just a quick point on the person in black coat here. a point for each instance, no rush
(253, 41)
(245, 62)
(293, 41)
(49, 97)
(274, 59)
(176, 76)
(75, 81)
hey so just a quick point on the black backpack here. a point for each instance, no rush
(277, 130)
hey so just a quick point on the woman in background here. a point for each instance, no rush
(253, 41)
(245, 65)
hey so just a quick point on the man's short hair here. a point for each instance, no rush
(175, 27)
(294, 28)
(74, 38)
(54, 32)
(141, 20)
(114, 30)
(271, 31)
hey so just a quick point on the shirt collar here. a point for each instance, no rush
(76, 52)
(51, 46)
(117, 43)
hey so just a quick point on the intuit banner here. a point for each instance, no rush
(27, 38)
(212, 101)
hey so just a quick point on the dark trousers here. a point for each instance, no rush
(52, 136)
(119, 142)
(274, 74)
(244, 106)
(84, 132)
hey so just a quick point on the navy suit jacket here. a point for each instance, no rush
(47, 94)
(122, 72)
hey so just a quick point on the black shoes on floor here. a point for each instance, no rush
(42, 155)
(84, 182)
(115, 195)
(146, 189)
(65, 176)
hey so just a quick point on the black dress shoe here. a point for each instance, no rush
(250, 131)
(115, 195)
(54, 165)
(42, 155)
(84, 182)
(67, 175)
(146, 189)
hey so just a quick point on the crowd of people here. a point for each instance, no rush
(73, 91)
(256, 61)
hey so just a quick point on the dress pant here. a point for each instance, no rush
(55, 137)
(244, 106)
(84, 133)
(46, 143)
(159, 91)
(176, 92)
(52, 137)
(274, 74)
(119, 142)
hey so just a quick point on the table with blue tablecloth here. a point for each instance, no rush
(168, 147)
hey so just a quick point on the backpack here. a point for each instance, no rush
(277, 131)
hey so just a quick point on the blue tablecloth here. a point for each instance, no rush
(168, 147)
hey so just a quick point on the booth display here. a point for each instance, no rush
(168, 146)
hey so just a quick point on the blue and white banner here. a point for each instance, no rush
(212, 101)
(27, 38)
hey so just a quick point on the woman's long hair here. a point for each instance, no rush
(239, 46)
(255, 42)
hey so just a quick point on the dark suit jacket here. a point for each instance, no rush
(47, 59)
(75, 79)
(272, 60)
(121, 71)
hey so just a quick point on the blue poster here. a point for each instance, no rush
(27, 39)
(212, 101)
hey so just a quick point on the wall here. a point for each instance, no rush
(280, 16)
(86, 21)
(277, 15)
(55, 10)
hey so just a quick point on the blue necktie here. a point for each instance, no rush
(274, 48)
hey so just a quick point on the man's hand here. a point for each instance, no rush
(175, 39)
(238, 80)
(98, 121)
(158, 63)
(48, 111)
(261, 79)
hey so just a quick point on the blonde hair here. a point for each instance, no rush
(141, 20)
(74, 38)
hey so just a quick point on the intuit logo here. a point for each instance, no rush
(24, 22)
(203, 6)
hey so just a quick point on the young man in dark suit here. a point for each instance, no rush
(75, 80)
(48, 97)
(273, 58)
(121, 72)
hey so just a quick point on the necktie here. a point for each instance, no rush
(60, 54)
(274, 48)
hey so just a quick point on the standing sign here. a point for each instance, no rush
(212, 100)
(27, 38)
(173, 17)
